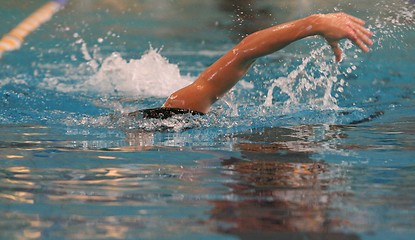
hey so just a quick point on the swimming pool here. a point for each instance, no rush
(300, 149)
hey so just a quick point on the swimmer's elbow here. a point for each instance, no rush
(189, 98)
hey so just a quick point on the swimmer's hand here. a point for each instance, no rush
(336, 26)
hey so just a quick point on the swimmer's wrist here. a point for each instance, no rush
(315, 24)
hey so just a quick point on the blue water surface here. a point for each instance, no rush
(272, 160)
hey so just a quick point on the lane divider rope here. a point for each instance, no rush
(14, 39)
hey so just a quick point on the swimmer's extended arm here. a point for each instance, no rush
(222, 75)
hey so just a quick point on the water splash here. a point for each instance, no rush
(150, 76)
(312, 83)
(392, 23)
(119, 120)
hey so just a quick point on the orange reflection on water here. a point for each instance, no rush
(31, 234)
(83, 198)
(14, 156)
(22, 197)
(107, 157)
(19, 169)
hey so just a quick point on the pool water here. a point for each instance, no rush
(301, 148)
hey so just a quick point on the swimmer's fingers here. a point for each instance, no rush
(361, 45)
(355, 19)
(341, 25)
(336, 49)
(364, 30)
(366, 41)
(361, 39)
(362, 35)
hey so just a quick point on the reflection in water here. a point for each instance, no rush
(95, 203)
(278, 190)
(274, 183)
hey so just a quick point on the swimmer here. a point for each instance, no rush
(221, 76)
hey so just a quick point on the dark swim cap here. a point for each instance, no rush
(162, 113)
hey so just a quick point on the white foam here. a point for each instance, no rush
(150, 76)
